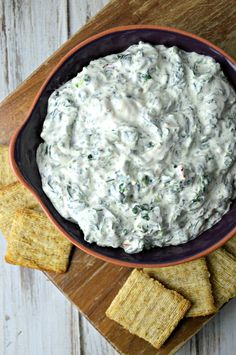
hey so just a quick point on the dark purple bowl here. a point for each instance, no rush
(25, 141)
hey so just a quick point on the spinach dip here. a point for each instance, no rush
(139, 148)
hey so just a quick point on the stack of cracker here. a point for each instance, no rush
(32, 241)
(153, 301)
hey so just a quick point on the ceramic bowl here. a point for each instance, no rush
(25, 141)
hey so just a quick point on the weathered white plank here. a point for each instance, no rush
(31, 31)
(4, 79)
(92, 342)
(80, 11)
(35, 318)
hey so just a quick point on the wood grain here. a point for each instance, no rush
(86, 283)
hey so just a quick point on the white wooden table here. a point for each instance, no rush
(35, 318)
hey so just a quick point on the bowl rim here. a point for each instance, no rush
(22, 180)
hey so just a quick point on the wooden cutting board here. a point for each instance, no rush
(91, 284)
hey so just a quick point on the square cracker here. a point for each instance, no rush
(192, 281)
(35, 243)
(230, 246)
(222, 266)
(12, 198)
(147, 309)
(6, 175)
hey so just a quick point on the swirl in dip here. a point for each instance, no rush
(139, 148)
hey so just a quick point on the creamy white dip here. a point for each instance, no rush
(139, 148)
